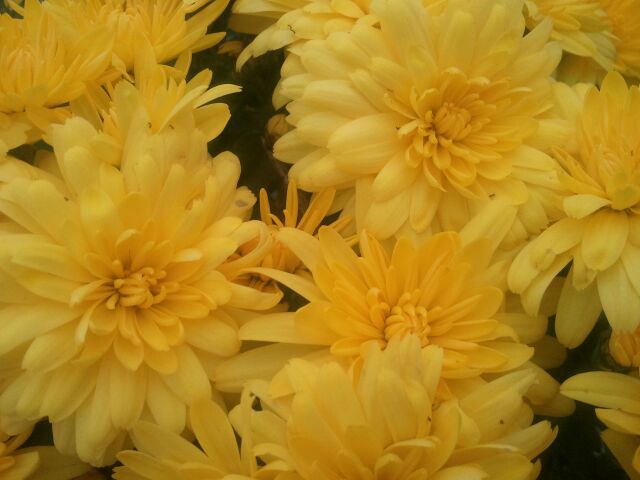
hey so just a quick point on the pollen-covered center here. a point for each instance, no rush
(141, 288)
(403, 318)
(451, 127)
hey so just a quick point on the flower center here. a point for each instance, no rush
(138, 289)
(616, 170)
(451, 129)
(403, 318)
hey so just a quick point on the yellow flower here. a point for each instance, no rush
(43, 69)
(165, 454)
(441, 291)
(600, 233)
(622, 19)
(285, 23)
(425, 118)
(117, 286)
(618, 396)
(15, 465)
(297, 21)
(581, 26)
(168, 98)
(385, 422)
(170, 26)
(282, 258)
(624, 16)
(625, 347)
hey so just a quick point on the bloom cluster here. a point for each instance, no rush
(469, 208)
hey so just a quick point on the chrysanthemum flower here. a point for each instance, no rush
(116, 283)
(618, 396)
(581, 26)
(285, 23)
(165, 454)
(625, 347)
(441, 292)
(297, 21)
(42, 70)
(170, 26)
(624, 16)
(386, 422)
(282, 258)
(600, 231)
(168, 98)
(424, 116)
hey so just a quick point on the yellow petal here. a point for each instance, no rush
(579, 206)
(578, 311)
(21, 323)
(605, 236)
(620, 301)
(384, 218)
(605, 389)
(127, 392)
(141, 465)
(365, 144)
(215, 334)
(625, 449)
(258, 363)
(283, 327)
(394, 177)
(190, 381)
(215, 435)
(160, 443)
(620, 421)
(303, 245)
(167, 409)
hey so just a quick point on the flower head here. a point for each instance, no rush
(169, 100)
(618, 47)
(441, 292)
(624, 347)
(624, 17)
(43, 69)
(618, 396)
(599, 233)
(171, 26)
(424, 115)
(385, 422)
(295, 22)
(582, 27)
(117, 282)
(282, 258)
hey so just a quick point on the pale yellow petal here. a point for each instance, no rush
(605, 236)
(578, 311)
(620, 301)
(605, 389)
